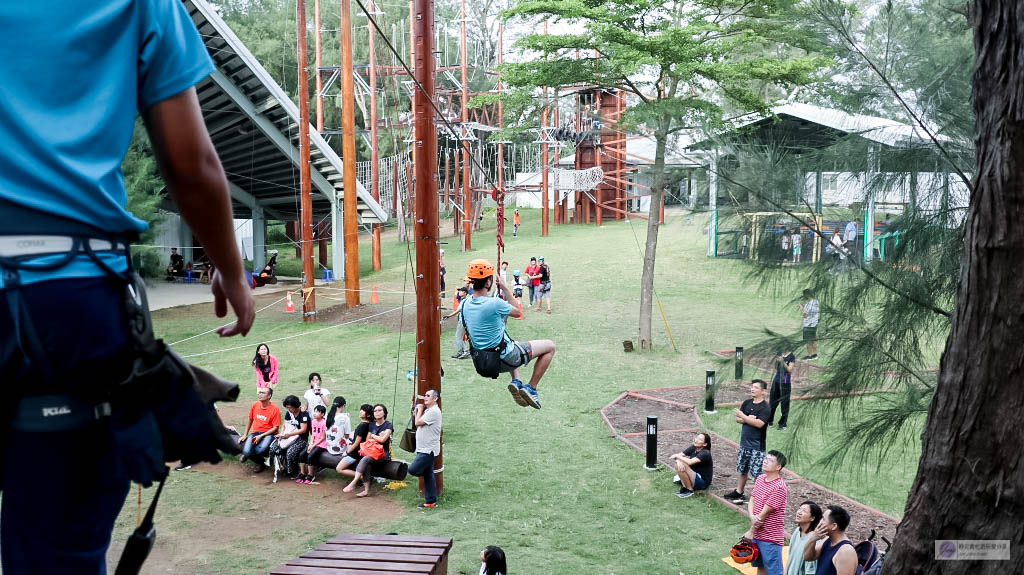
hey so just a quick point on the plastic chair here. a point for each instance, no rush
(328, 275)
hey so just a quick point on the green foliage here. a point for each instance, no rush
(881, 323)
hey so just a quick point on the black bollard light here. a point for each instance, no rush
(739, 363)
(652, 443)
(709, 391)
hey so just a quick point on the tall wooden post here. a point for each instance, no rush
(318, 63)
(558, 154)
(467, 195)
(305, 176)
(428, 266)
(374, 151)
(348, 156)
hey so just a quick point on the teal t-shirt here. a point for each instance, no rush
(485, 321)
(73, 77)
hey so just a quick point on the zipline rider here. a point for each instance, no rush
(84, 378)
(493, 349)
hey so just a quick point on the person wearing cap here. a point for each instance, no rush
(544, 283)
(517, 287)
(484, 318)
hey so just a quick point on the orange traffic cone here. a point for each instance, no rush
(374, 298)
(289, 305)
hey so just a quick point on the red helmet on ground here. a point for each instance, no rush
(743, 552)
(479, 269)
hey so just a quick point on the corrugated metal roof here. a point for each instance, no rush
(255, 127)
(640, 151)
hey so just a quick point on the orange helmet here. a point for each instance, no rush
(743, 552)
(479, 269)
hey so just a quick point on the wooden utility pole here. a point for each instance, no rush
(467, 189)
(428, 266)
(318, 63)
(305, 177)
(348, 156)
(374, 151)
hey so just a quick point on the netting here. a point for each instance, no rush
(581, 180)
(386, 171)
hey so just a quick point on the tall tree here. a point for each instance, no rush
(682, 62)
(969, 482)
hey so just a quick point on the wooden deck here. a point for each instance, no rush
(370, 554)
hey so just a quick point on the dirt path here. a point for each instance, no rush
(678, 420)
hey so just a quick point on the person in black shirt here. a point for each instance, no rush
(753, 417)
(694, 466)
(782, 387)
(544, 289)
(296, 425)
(177, 267)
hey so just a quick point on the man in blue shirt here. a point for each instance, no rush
(485, 317)
(72, 80)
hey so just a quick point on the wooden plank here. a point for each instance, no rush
(307, 570)
(409, 544)
(364, 556)
(359, 548)
(408, 541)
(368, 566)
(378, 537)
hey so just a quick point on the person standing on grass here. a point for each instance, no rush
(850, 237)
(515, 223)
(264, 422)
(785, 244)
(830, 546)
(265, 366)
(517, 288)
(782, 388)
(427, 418)
(808, 515)
(533, 276)
(315, 395)
(484, 318)
(460, 332)
(767, 510)
(810, 309)
(544, 287)
(443, 271)
(753, 417)
(317, 445)
(694, 466)
(796, 241)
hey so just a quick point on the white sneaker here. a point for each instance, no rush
(675, 479)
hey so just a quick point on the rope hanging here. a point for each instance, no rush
(498, 195)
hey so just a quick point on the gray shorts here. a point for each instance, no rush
(519, 355)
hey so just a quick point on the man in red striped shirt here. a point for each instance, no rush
(767, 510)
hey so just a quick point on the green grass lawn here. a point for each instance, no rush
(550, 487)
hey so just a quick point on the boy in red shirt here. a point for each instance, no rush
(767, 509)
(264, 421)
(533, 276)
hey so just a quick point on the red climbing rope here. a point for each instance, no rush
(498, 195)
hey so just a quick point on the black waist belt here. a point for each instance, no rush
(49, 413)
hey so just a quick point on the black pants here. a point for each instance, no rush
(311, 457)
(780, 395)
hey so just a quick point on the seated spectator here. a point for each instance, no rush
(339, 427)
(492, 560)
(808, 515)
(380, 432)
(265, 366)
(351, 458)
(694, 466)
(176, 269)
(315, 395)
(291, 442)
(264, 421)
(317, 445)
(830, 546)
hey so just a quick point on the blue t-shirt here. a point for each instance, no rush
(73, 77)
(485, 321)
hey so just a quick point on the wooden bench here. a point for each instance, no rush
(394, 469)
(369, 554)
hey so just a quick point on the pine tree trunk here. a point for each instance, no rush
(970, 481)
(651, 247)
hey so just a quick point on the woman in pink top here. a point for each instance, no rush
(317, 445)
(265, 366)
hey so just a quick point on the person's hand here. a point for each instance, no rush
(240, 440)
(237, 293)
(820, 532)
(499, 280)
(256, 439)
(737, 413)
(756, 523)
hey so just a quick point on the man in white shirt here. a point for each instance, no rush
(428, 445)
(809, 309)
